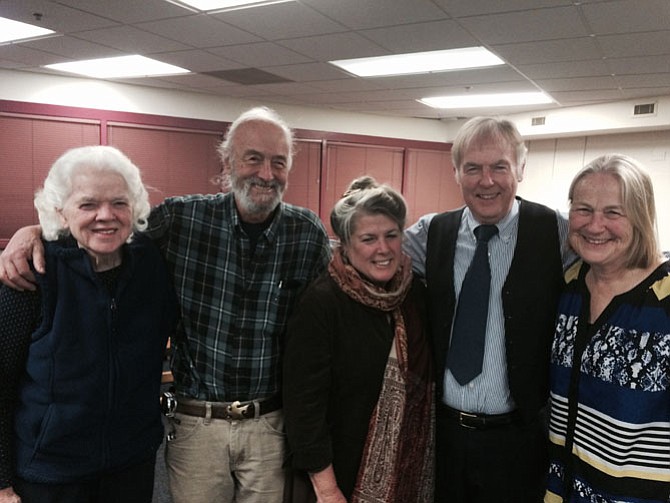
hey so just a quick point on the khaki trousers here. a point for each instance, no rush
(226, 461)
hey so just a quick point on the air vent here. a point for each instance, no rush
(645, 109)
(248, 76)
(538, 121)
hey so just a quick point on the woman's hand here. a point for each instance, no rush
(325, 486)
(8, 495)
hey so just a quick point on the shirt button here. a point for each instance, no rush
(471, 385)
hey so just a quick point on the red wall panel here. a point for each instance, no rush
(304, 179)
(28, 148)
(346, 162)
(173, 162)
(430, 185)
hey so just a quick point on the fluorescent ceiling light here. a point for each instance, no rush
(420, 62)
(122, 66)
(487, 100)
(11, 30)
(221, 5)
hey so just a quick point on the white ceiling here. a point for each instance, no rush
(579, 52)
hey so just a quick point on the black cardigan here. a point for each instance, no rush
(336, 353)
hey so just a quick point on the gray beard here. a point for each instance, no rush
(242, 190)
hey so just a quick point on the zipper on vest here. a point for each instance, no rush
(111, 376)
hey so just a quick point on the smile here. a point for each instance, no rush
(382, 263)
(263, 186)
(594, 241)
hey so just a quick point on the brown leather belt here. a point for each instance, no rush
(229, 410)
(479, 421)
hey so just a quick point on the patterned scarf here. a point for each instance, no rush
(397, 461)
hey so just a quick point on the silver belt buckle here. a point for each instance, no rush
(236, 412)
(462, 415)
(168, 404)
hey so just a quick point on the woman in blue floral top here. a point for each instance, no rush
(610, 362)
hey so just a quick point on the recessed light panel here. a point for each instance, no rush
(221, 5)
(122, 66)
(487, 100)
(420, 62)
(11, 30)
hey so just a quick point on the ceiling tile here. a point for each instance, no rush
(13, 65)
(284, 89)
(635, 44)
(307, 72)
(72, 48)
(650, 80)
(345, 85)
(127, 11)
(527, 26)
(26, 55)
(625, 16)
(646, 93)
(573, 97)
(587, 68)
(463, 78)
(578, 83)
(150, 82)
(335, 46)
(132, 40)
(417, 37)
(552, 51)
(481, 88)
(198, 31)
(462, 8)
(194, 80)
(639, 65)
(54, 16)
(280, 21)
(362, 14)
(197, 60)
(260, 54)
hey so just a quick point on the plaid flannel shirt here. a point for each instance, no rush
(234, 305)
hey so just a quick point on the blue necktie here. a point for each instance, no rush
(466, 351)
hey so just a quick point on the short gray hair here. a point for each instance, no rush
(257, 114)
(365, 196)
(487, 128)
(58, 186)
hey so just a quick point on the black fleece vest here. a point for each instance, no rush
(530, 295)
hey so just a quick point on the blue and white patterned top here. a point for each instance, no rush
(612, 411)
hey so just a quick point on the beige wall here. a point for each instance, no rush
(553, 163)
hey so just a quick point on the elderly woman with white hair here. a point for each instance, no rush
(81, 357)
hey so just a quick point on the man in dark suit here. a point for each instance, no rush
(491, 428)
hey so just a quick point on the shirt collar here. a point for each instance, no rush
(272, 229)
(506, 225)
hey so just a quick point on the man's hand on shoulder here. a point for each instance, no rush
(15, 269)
(7, 495)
